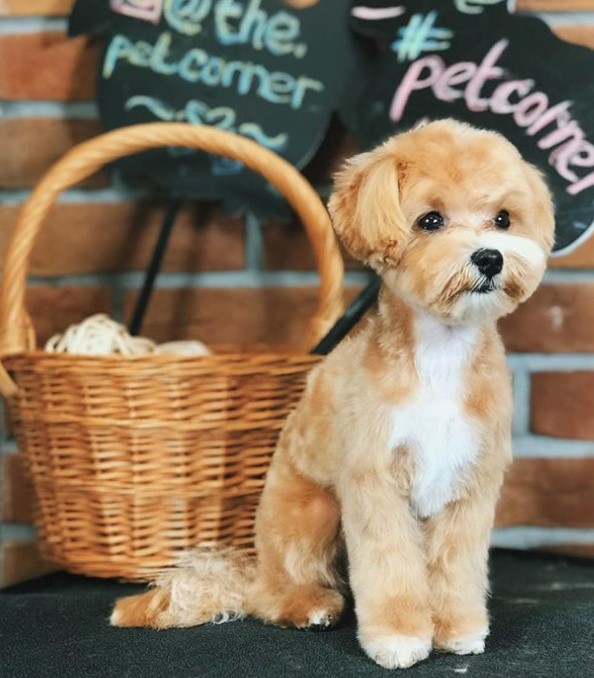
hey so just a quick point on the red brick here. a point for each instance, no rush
(105, 237)
(22, 561)
(548, 493)
(554, 5)
(25, 73)
(580, 35)
(562, 405)
(581, 257)
(557, 319)
(53, 309)
(35, 7)
(285, 247)
(17, 493)
(31, 145)
(231, 318)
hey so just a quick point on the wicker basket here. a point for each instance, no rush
(135, 459)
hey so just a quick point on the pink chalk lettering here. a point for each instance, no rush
(500, 101)
(559, 159)
(147, 10)
(487, 70)
(569, 131)
(412, 82)
(559, 114)
(581, 185)
(583, 156)
(578, 152)
(454, 75)
(531, 108)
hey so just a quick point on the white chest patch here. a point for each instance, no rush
(443, 441)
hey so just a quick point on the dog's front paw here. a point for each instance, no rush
(396, 651)
(473, 643)
(322, 619)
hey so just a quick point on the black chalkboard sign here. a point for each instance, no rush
(271, 70)
(473, 60)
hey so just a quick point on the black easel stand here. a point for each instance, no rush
(155, 265)
(354, 312)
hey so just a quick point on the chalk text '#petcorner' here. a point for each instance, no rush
(531, 109)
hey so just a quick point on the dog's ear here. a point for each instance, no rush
(543, 209)
(365, 208)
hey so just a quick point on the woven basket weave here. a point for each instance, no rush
(133, 459)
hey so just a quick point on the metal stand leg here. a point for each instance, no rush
(355, 311)
(154, 265)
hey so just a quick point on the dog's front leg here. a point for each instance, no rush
(458, 544)
(387, 570)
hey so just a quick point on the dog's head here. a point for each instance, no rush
(451, 216)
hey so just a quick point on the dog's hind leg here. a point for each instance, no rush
(297, 541)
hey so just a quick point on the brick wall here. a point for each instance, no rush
(93, 249)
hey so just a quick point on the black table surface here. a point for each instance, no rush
(542, 624)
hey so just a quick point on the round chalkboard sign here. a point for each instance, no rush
(271, 70)
(473, 60)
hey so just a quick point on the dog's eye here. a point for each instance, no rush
(432, 221)
(502, 219)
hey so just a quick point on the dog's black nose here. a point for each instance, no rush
(488, 262)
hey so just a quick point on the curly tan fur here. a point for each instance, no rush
(398, 447)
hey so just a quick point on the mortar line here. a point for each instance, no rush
(521, 392)
(225, 279)
(566, 276)
(551, 362)
(32, 24)
(61, 110)
(526, 536)
(253, 243)
(556, 19)
(18, 532)
(543, 447)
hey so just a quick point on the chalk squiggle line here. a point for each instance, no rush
(255, 132)
(469, 6)
(377, 13)
(156, 107)
(166, 112)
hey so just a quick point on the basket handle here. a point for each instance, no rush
(16, 330)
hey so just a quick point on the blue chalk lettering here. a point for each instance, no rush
(247, 76)
(278, 87)
(186, 68)
(303, 84)
(119, 48)
(196, 65)
(225, 12)
(159, 56)
(281, 32)
(186, 16)
(213, 71)
(141, 54)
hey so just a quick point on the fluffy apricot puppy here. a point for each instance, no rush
(398, 447)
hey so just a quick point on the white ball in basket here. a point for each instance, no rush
(99, 335)
(188, 348)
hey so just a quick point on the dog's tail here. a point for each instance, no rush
(207, 585)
